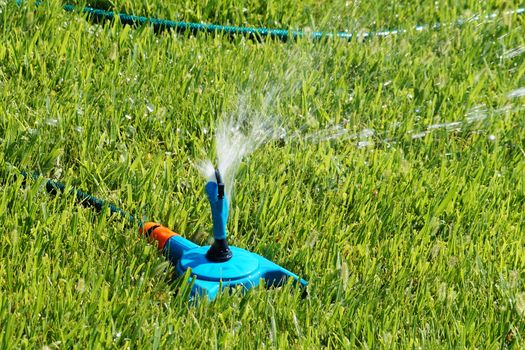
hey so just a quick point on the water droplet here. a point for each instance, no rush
(363, 144)
(516, 93)
(367, 133)
(149, 107)
(116, 336)
(444, 125)
(52, 122)
(280, 133)
(513, 52)
(419, 135)
(476, 113)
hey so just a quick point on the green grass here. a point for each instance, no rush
(410, 243)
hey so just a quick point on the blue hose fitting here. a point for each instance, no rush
(219, 250)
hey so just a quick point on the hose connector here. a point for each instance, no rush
(219, 250)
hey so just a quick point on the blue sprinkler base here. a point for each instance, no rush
(244, 270)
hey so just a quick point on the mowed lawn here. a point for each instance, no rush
(396, 185)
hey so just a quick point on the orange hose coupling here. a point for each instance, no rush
(157, 232)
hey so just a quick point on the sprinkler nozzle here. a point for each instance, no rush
(220, 184)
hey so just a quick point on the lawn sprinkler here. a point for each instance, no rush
(212, 268)
(218, 266)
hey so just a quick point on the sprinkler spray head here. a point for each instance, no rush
(219, 250)
(220, 184)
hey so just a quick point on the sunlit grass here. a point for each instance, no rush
(406, 241)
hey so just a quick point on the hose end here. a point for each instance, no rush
(156, 232)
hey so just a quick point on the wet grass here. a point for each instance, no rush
(407, 239)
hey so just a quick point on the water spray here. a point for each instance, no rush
(214, 268)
